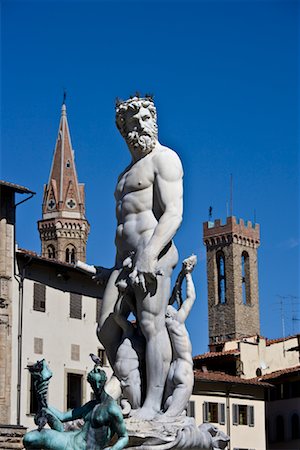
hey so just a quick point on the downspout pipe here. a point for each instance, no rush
(20, 280)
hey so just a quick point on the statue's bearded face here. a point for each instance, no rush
(141, 130)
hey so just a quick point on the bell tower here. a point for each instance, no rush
(63, 229)
(232, 275)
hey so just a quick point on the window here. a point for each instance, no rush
(214, 412)
(70, 254)
(221, 277)
(75, 306)
(39, 297)
(102, 356)
(33, 405)
(279, 428)
(51, 252)
(243, 415)
(245, 279)
(190, 410)
(295, 426)
(74, 390)
(68, 164)
(38, 345)
(75, 352)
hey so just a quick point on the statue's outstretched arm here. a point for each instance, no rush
(190, 299)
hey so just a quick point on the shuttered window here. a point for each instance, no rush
(214, 412)
(75, 306)
(243, 415)
(39, 297)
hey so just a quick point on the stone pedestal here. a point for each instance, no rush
(11, 437)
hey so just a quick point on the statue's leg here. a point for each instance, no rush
(183, 380)
(151, 310)
(109, 333)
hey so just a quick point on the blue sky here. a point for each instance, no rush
(225, 79)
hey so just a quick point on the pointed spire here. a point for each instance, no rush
(62, 191)
(63, 202)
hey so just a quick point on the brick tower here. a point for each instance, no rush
(63, 228)
(233, 302)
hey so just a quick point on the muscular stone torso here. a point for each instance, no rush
(137, 208)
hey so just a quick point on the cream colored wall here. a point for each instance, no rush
(58, 332)
(273, 357)
(241, 436)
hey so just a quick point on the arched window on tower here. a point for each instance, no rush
(245, 279)
(70, 254)
(51, 252)
(221, 277)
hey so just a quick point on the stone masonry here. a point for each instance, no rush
(234, 318)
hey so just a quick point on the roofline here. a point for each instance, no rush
(211, 377)
(16, 187)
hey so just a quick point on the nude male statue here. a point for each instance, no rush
(149, 212)
(180, 380)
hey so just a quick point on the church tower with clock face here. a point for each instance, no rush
(63, 229)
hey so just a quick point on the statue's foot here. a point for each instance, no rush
(144, 413)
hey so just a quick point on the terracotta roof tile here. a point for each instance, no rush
(224, 377)
(282, 339)
(217, 354)
(278, 373)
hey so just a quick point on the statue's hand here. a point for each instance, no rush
(145, 271)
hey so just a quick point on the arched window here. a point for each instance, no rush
(51, 252)
(245, 279)
(295, 426)
(70, 254)
(279, 429)
(221, 277)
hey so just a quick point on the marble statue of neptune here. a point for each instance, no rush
(149, 211)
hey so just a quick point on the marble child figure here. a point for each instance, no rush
(102, 419)
(149, 212)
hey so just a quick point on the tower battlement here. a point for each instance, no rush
(236, 230)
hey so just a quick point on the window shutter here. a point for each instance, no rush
(235, 414)
(250, 411)
(205, 411)
(39, 297)
(75, 306)
(98, 308)
(221, 413)
(191, 408)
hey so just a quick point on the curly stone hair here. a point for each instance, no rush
(134, 104)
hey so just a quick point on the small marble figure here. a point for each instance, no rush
(180, 380)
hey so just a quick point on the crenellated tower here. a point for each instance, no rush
(63, 229)
(233, 300)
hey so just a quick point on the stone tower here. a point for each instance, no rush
(233, 302)
(63, 228)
